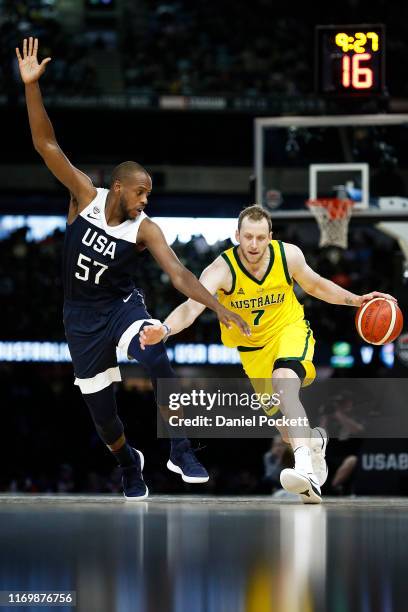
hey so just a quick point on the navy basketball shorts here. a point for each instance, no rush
(93, 335)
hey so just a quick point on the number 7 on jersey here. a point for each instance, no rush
(258, 314)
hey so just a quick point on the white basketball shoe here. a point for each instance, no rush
(303, 484)
(301, 479)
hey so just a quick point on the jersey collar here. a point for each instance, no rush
(248, 274)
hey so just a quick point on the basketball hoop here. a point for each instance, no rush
(332, 216)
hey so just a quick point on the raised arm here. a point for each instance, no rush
(322, 288)
(216, 276)
(42, 132)
(182, 279)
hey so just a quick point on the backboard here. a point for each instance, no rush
(363, 157)
(360, 157)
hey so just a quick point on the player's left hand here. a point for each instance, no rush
(151, 334)
(227, 318)
(376, 294)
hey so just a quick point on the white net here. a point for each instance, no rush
(332, 216)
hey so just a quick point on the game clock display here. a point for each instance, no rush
(350, 60)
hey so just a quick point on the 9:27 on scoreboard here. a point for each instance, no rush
(350, 60)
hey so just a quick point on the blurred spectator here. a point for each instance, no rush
(277, 458)
(345, 427)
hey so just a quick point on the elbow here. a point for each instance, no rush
(44, 146)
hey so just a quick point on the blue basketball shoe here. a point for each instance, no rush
(184, 462)
(134, 487)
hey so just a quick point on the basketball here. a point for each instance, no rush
(379, 321)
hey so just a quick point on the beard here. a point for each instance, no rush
(124, 209)
(250, 258)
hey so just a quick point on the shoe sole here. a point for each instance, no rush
(294, 482)
(139, 497)
(325, 439)
(191, 479)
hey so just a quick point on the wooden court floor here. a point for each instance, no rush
(206, 554)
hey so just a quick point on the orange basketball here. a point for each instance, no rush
(379, 321)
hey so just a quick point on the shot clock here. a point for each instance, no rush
(350, 60)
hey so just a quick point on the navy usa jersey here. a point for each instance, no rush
(99, 260)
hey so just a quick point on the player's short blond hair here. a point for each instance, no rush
(255, 213)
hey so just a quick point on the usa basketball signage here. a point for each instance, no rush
(350, 60)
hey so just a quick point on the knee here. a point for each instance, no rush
(102, 408)
(284, 373)
(153, 358)
(287, 381)
(285, 370)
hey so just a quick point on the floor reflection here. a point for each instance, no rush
(207, 555)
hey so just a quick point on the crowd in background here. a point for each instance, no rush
(182, 47)
(51, 444)
(72, 70)
(189, 48)
(31, 270)
(59, 450)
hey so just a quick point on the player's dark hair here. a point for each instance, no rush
(126, 170)
(255, 213)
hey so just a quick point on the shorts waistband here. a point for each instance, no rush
(107, 303)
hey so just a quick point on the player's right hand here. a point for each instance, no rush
(30, 69)
(376, 294)
(151, 334)
(226, 317)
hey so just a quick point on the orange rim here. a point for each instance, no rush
(337, 208)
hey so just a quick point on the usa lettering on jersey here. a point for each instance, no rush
(99, 243)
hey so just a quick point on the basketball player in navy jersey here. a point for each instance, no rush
(102, 307)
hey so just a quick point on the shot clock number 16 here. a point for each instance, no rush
(350, 59)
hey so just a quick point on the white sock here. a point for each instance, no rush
(303, 461)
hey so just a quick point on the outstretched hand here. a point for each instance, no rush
(30, 69)
(151, 334)
(227, 318)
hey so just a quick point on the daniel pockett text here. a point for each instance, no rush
(256, 420)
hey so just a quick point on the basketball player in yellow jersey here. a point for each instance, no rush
(255, 279)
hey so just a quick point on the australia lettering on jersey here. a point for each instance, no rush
(99, 243)
(266, 300)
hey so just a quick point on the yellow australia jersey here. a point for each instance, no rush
(267, 305)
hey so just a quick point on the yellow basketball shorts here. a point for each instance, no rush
(295, 342)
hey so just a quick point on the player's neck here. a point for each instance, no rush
(113, 214)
